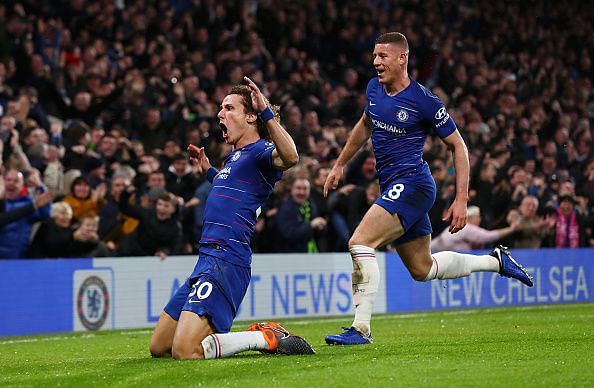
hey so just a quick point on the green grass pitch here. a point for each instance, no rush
(522, 346)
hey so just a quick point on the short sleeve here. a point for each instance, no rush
(264, 157)
(368, 97)
(437, 114)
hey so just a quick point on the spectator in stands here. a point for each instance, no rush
(155, 186)
(85, 106)
(85, 239)
(180, 179)
(76, 139)
(352, 204)
(338, 207)
(53, 173)
(472, 236)
(12, 152)
(113, 224)
(318, 175)
(585, 180)
(82, 199)
(170, 150)
(159, 232)
(569, 229)
(7, 217)
(531, 228)
(298, 222)
(361, 170)
(54, 236)
(153, 134)
(484, 185)
(14, 236)
(140, 85)
(94, 171)
(316, 195)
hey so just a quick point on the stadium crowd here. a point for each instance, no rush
(99, 99)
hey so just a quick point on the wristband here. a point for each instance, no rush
(211, 174)
(266, 114)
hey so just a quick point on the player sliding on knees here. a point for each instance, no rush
(398, 116)
(195, 323)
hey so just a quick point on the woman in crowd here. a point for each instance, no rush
(82, 199)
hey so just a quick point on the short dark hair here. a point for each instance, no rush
(168, 197)
(179, 156)
(246, 100)
(393, 37)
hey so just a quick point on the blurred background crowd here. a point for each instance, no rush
(99, 98)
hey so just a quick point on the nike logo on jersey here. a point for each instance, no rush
(372, 104)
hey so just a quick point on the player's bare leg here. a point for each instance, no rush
(162, 339)
(377, 228)
(187, 341)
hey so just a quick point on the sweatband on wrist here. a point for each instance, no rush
(211, 173)
(266, 114)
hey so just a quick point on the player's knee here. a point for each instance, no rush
(159, 351)
(356, 240)
(186, 351)
(187, 354)
(353, 241)
(419, 273)
(158, 348)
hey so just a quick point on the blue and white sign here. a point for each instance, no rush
(45, 296)
(560, 276)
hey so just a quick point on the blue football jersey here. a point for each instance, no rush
(239, 191)
(401, 124)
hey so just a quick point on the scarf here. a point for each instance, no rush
(305, 211)
(567, 231)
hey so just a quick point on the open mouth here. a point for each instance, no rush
(380, 71)
(224, 130)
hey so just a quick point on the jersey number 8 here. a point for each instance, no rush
(394, 192)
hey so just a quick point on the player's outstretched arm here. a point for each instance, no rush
(285, 155)
(457, 212)
(198, 159)
(358, 137)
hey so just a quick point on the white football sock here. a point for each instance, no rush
(451, 265)
(365, 281)
(228, 344)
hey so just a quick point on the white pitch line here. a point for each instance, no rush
(57, 338)
(322, 320)
(129, 332)
(72, 337)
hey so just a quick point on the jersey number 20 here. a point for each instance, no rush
(201, 291)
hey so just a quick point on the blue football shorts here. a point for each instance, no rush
(215, 290)
(410, 197)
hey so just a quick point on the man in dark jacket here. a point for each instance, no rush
(14, 237)
(298, 220)
(159, 232)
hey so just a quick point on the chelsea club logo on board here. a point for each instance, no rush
(402, 115)
(236, 156)
(92, 303)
